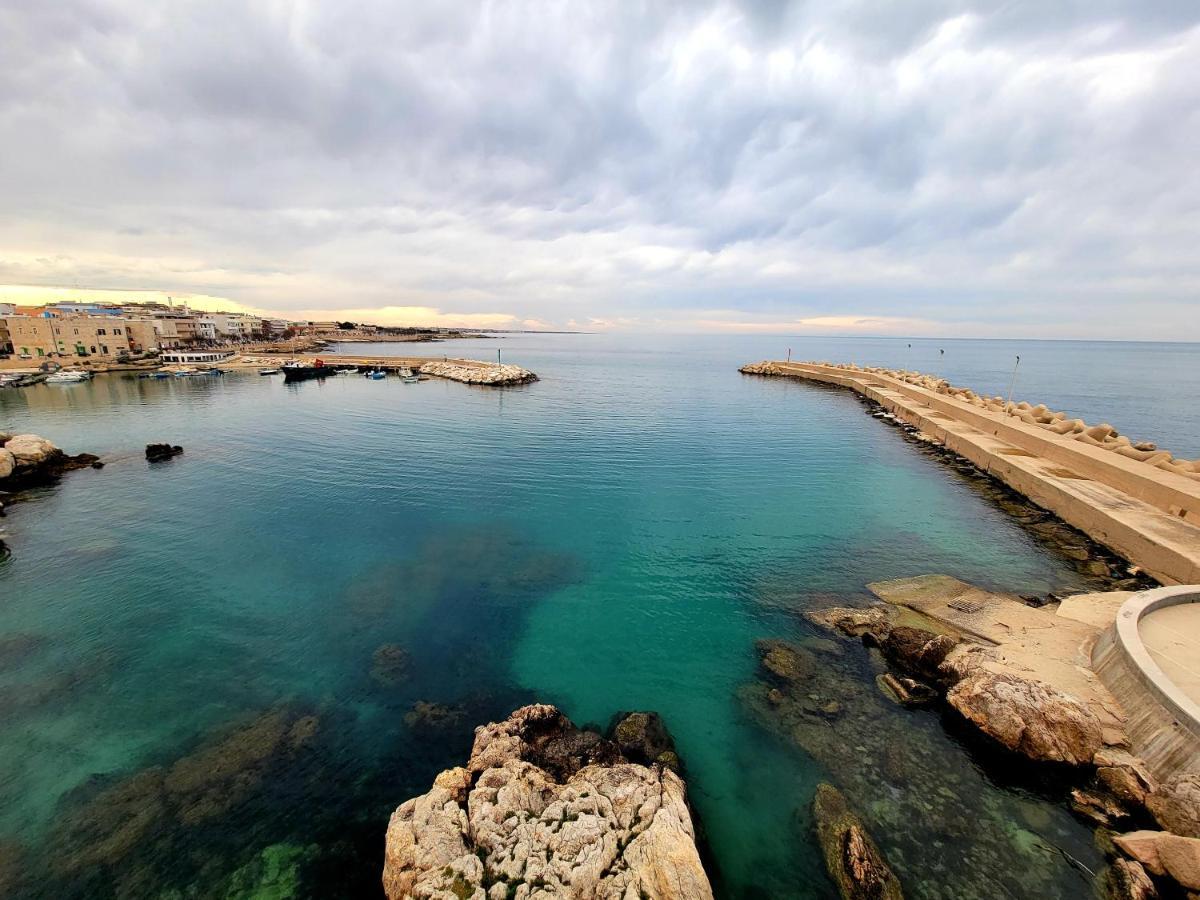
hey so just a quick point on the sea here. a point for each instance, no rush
(221, 673)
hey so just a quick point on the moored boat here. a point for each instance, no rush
(68, 376)
(297, 371)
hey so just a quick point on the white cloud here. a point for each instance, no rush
(962, 167)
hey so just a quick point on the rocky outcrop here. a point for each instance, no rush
(1125, 879)
(479, 373)
(29, 458)
(160, 452)
(1170, 857)
(1029, 717)
(854, 862)
(1175, 804)
(1026, 715)
(643, 738)
(543, 808)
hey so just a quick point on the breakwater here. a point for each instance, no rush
(1143, 506)
(468, 371)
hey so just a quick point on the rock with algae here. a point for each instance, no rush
(854, 862)
(274, 874)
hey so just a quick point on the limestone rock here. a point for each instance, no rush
(1175, 804)
(1127, 880)
(29, 450)
(849, 620)
(479, 373)
(917, 651)
(904, 690)
(542, 808)
(1028, 717)
(854, 862)
(8, 462)
(1124, 776)
(1180, 857)
(643, 738)
(1143, 847)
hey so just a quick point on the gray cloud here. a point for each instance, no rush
(986, 165)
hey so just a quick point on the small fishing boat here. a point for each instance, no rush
(346, 370)
(268, 371)
(376, 375)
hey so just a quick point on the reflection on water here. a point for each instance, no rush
(219, 676)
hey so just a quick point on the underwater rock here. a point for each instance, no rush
(854, 862)
(160, 452)
(12, 868)
(785, 661)
(110, 826)
(905, 691)
(390, 665)
(428, 716)
(642, 738)
(16, 649)
(1029, 717)
(1175, 804)
(274, 874)
(507, 827)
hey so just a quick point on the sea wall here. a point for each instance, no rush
(1141, 511)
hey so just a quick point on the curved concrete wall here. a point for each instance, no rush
(1129, 640)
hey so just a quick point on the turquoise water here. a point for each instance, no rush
(615, 536)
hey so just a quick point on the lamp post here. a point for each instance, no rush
(1011, 385)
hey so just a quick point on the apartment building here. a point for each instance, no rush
(72, 336)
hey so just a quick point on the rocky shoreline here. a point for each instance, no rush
(543, 808)
(1150, 831)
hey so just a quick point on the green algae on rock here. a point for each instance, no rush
(854, 862)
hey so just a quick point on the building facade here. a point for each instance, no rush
(74, 336)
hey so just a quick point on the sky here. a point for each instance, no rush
(1005, 168)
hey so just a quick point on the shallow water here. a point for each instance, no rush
(615, 536)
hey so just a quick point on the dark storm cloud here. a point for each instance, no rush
(764, 160)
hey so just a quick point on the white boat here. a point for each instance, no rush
(68, 376)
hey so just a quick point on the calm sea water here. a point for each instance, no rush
(186, 677)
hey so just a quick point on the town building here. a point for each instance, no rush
(74, 336)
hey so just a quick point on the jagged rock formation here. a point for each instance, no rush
(545, 809)
(479, 374)
(1175, 804)
(854, 862)
(1103, 436)
(1172, 858)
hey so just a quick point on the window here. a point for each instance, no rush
(116, 331)
(100, 331)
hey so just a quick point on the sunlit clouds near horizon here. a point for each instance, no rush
(941, 168)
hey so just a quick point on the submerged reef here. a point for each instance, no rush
(927, 805)
(543, 807)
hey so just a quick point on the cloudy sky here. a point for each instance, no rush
(918, 167)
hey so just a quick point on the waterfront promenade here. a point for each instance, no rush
(1147, 515)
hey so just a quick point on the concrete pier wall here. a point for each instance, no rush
(1146, 515)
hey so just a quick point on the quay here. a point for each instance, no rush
(1142, 505)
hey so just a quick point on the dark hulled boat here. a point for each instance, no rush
(294, 371)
